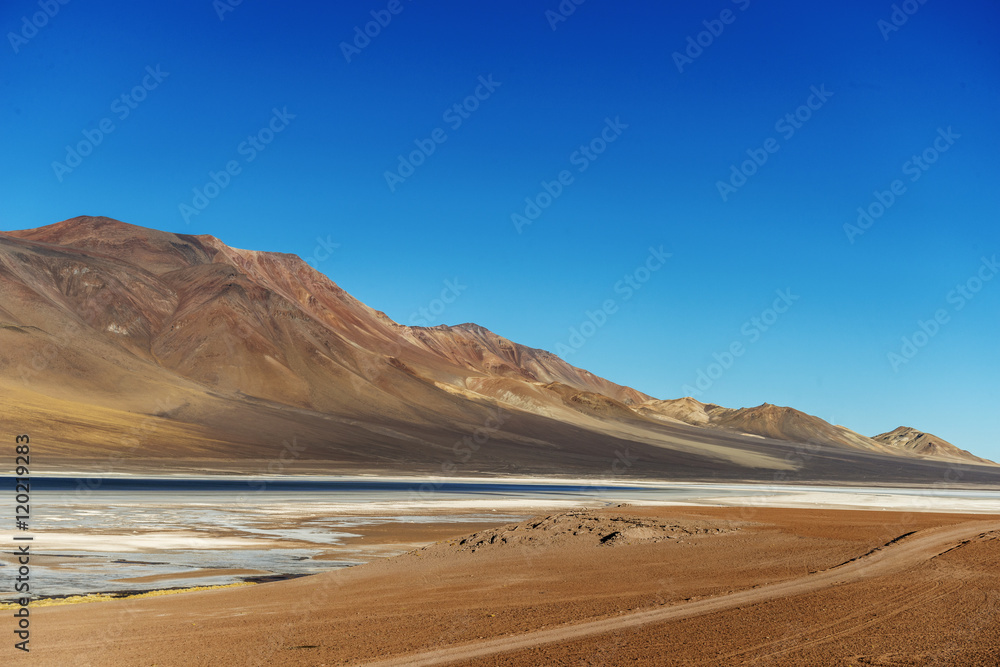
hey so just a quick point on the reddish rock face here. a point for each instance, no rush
(265, 324)
(238, 346)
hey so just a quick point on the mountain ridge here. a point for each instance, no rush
(191, 315)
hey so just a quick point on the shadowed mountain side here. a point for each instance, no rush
(167, 350)
(213, 434)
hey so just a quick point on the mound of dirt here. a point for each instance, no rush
(587, 529)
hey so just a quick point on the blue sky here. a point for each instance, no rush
(318, 186)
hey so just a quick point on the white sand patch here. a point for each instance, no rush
(106, 542)
(863, 501)
(404, 507)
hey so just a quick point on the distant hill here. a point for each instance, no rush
(924, 444)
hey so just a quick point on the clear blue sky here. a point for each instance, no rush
(324, 175)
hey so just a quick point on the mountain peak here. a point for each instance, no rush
(80, 226)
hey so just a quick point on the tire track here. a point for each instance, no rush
(896, 604)
(801, 638)
(924, 595)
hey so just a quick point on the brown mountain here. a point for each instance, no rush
(127, 348)
(769, 421)
(925, 445)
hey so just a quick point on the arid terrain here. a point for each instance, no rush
(127, 349)
(130, 350)
(621, 585)
(497, 334)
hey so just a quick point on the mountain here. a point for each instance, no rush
(769, 421)
(925, 445)
(127, 348)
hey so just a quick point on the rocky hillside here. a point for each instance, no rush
(925, 445)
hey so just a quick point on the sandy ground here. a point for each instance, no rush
(629, 585)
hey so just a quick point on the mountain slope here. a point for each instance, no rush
(769, 421)
(138, 335)
(925, 445)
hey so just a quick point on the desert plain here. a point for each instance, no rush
(623, 584)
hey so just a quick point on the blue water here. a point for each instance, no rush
(300, 484)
